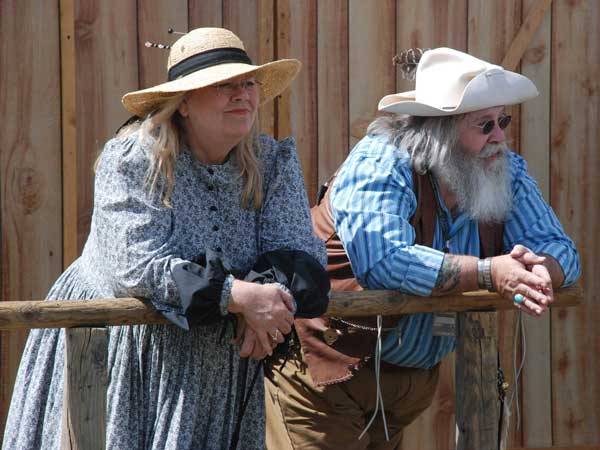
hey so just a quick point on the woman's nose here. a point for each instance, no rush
(240, 92)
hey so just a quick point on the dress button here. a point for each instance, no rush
(215, 227)
(213, 208)
(210, 171)
(210, 187)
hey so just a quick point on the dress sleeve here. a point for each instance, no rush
(134, 240)
(285, 215)
(300, 273)
(372, 201)
(533, 223)
(290, 252)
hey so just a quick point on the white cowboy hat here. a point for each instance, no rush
(207, 56)
(450, 82)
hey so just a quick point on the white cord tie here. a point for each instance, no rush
(514, 395)
(379, 398)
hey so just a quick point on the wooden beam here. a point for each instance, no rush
(86, 382)
(69, 130)
(130, 311)
(332, 86)
(536, 382)
(477, 405)
(575, 194)
(154, 18)
(30, 165)
(298, 108)
(570, 447)
(205, 13)
(525, 34)
(370, 73)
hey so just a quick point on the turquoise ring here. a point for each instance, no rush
(519, 298)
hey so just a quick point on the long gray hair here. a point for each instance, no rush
(428, 140)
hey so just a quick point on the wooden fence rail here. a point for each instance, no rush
(86, 373)
(132, 311)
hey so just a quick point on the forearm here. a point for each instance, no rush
(412, 269)
(555, 270)
(458, 273)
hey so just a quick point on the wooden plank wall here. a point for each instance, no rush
(535, 144)
(574, 193)
(445, 28)
(30, 165)
(491, 28)
(346, 47)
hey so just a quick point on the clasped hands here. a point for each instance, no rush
(265, 316)
(522, 278)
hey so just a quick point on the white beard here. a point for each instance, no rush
(482, 189)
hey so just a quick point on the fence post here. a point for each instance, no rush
(85, 384)
(477, 405)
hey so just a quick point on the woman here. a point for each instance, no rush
(187, 202)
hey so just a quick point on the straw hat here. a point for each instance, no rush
(207, 56)
(451, 82)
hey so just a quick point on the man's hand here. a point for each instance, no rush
(537, 264)
(511, 277)
(526, 256)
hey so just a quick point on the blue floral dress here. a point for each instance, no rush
(168, 388)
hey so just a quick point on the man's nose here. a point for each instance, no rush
(497, 136)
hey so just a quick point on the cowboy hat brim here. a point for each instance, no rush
(493, 87)
(274, 78)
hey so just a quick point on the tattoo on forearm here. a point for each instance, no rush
(449, 276)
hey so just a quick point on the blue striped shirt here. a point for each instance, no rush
(372, 201)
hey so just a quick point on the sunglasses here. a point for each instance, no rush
(488, 126)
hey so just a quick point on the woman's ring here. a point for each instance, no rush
(275, 334)
(519, 298)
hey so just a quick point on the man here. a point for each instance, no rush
(431, 202)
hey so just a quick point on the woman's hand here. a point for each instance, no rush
(246, 338)
(266, 309)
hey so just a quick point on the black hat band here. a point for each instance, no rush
(208, 59)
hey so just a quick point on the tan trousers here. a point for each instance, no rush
(302, 416)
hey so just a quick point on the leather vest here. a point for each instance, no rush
(334, 348)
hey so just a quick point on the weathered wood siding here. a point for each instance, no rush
(30, 164)
(65, 65)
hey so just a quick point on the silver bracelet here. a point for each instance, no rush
(226, 294)
(487, 275)
(284, 288)
(480, 280)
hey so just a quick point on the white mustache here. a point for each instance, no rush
(492, 149)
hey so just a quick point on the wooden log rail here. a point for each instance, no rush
(86, 371)
(132, 311)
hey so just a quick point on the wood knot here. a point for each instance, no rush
(477, 332)
(28, 188)
(564, 364)
(589, 87)
(535, 55)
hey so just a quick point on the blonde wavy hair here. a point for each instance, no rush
(163, 128)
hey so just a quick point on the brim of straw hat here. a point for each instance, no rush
(274, 78)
